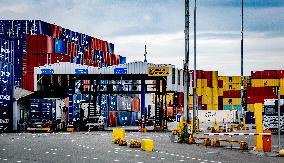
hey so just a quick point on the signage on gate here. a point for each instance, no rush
(120, 71)
(47, 71)
(81, 71)
(158, 71)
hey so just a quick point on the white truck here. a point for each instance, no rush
(270, 115)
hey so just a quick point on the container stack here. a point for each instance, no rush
(231, 86)
(39, 43)
(264, 85)
(6, 83)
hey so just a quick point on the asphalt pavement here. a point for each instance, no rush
(84, 147)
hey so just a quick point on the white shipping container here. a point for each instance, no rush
(220, 116)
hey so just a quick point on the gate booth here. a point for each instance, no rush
(111, 80)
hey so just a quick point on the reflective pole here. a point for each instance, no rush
(279, 128)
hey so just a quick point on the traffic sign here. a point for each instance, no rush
(158, 71)
(120, 71)
(47, 71)
(81, 71)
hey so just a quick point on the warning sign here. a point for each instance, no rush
(158, 71)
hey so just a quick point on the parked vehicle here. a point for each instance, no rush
(46, 115)
(270, 115)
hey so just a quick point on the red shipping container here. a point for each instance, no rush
(56, 31)
(136, 104)
(281, 73)
(198, 74)
(39, 44)
(261, 91)
(258, 99)
(204, 106)
(180, 99)
(232, 94)
(28, 81)
(180, 110)
(220, 83)
(170, 111)
(56, 58)
(105, 46)
(199, 100)
(112, 118)
(220, 102)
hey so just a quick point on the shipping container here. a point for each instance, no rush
(250, 107)
(170, 111)
(265, 82)
(112, 120)
(261, 91)
(250, 119)
(227, 107)
(135, 116)
(124, 118)
(232, 101)
(135, 104)
(232, 94)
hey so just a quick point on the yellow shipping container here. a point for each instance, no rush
(230, 79)
(207, 100)
(199, 91)
(231, 86)
(264, 82)
(170, 98)
(220, 92)
(281, 83)
(231, 101)
(207, 91)
(201, 83)
(210, 107)
(282, 90)
(215, 79)
(250, 107)
(215, 95)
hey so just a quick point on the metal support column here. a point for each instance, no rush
(186, 61)
(242, 65)
(195, 80)
(143, 112)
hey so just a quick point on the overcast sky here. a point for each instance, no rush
(130, 24)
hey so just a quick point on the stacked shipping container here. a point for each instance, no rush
(6, 83)
(40, 43)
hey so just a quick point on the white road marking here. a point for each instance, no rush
(54, 153)
(182, 156)
(84, 157)
(181, 160)
(19, 161)
(193, 158)
(3, 149)
(136, 155)
(5, 159)
(93, 148)
(46, 152)
(68, 155)
(116, 160)
(153, 157)
(162, 158)
(95, 158)
(29, 149)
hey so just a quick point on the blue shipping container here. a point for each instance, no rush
(124, 118)
(60, 46)
(250, 118)
(227, 107)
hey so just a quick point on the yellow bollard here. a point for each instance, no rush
(147, 145)
(281, 153)
(118, 133)
(258, 122)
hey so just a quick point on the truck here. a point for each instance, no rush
(92, 116)
(270, 115)
(46, 115)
